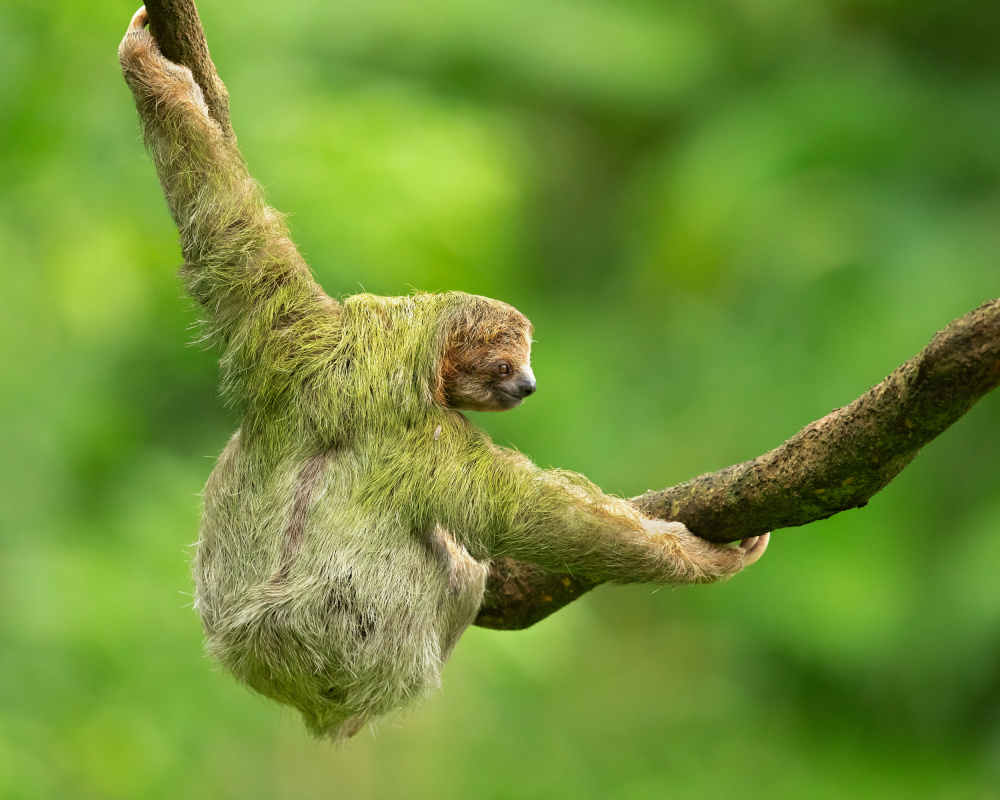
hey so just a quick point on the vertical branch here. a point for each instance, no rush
(177, 29)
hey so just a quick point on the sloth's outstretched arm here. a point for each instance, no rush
(571, 526)
(497, 503)
(258, 298)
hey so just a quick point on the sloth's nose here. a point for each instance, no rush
(526, 386)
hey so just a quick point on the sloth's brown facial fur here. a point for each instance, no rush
(487, 363)
(491, 385)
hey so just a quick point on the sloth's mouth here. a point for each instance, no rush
(516, 392)
(509, 400)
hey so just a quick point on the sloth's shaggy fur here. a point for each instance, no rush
(348, 522)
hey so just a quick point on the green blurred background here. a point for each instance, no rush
(725, 218)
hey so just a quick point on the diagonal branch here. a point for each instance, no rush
(831, 465)
(841, 460)
(834, 464)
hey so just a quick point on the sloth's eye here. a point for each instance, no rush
(503, 369)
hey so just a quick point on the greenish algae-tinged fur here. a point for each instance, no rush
(349, 523)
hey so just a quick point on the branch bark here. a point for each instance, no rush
(831, 465)
(841, 460)
(834, 464)
(177, 29)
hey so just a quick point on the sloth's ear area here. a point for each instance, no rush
(446, 369)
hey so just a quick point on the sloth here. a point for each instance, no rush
(349, 523)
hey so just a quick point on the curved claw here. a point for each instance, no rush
(139, 20)
(754, 548)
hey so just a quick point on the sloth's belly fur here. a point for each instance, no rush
(345, 616)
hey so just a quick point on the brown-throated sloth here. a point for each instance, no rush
(348, 523)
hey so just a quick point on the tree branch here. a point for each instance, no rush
(842, 460)
(834, 464)
(177, 29)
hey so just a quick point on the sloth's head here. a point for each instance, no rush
(486, 364)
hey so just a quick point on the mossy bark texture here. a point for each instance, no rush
(834, 464)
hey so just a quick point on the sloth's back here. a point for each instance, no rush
(344, 615)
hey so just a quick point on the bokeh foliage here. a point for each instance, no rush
(725, 218)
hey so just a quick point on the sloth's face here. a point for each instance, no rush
(491, 378)
(498, 386)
